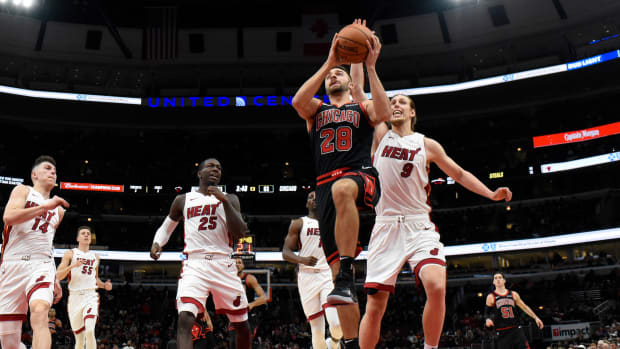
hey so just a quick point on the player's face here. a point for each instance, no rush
(45, 173)
(311, 202)
(240, 264)
(84, 236)
(401, 110)
(337, 81)
(211, 173)
(498, 280)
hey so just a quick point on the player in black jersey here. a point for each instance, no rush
(500, 312)
(341, 136)
(202, 333)
(252, 290)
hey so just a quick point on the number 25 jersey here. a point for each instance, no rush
(341, 137)
(205, 225)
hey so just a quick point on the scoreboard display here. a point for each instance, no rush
(244, 248)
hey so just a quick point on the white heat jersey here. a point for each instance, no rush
(205, 225)
(403, 174)
(310, 241)
(33, 237)
(84, 277)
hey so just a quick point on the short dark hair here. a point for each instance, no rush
(44, 158)
(202, 164)
(85, 227)
(500, 273)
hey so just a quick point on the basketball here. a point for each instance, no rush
(352, 43)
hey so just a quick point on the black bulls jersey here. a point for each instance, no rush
(341, 137)
(505, 311)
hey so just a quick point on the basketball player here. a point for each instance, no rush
(202, 333)
(27, 269)
(500, 312)
(403, 232)
(252, 289)
(211, 220)
(81, 266)
(341, 138)
(314, 278)
(53, 323)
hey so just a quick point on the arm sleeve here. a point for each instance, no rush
(165, 230)
(489, 312)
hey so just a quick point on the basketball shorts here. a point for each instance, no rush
(396, 240)
(314, 285)
(216, 275)
(368, 194)
(21, 282)
(513, 338)
(82, 305)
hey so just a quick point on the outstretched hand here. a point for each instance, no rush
(502, 193)
(333, 59)
(374, 48)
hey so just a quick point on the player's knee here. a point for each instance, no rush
(335, 331)
(377, 303)
(186, 321)
(344, 190)
(435, 289)
(38, 316)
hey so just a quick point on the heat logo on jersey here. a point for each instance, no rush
(399, 153)
(44, 219)
(209, 222)
(337, 116)
(87, 265)
(313, 231)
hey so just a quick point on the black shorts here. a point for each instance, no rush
(369, 192)
(513, 338)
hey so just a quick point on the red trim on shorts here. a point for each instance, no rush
(327, 305)
(13, 317)
(232, 311)
(36, 287)
(193, 301)
(505, 328)
(331, 175)
(315, 316)
(80, 330)
(379, 287)
(424, 262)
(333, 258)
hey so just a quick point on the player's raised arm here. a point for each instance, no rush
(379, 109)
(304, 102)
(167, 227)
(437, 154)
(15, 211)
(262, 298)
(292, 241)
(232, 210)
(65, 265)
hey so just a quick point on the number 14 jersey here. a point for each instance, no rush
(403, 173)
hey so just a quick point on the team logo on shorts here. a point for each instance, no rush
(40, 278)
(89, 309)
(237, 300)
(435, 251)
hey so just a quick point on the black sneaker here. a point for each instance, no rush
(343, 292)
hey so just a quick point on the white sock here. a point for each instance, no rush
(426, 346)
(333, 321)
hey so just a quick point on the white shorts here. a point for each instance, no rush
(82, 305)
(397, 240)
(21, 282)
(213, 274)
(314, 285)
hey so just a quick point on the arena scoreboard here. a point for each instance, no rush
(244, 248)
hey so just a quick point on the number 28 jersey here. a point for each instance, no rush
(341, 137)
